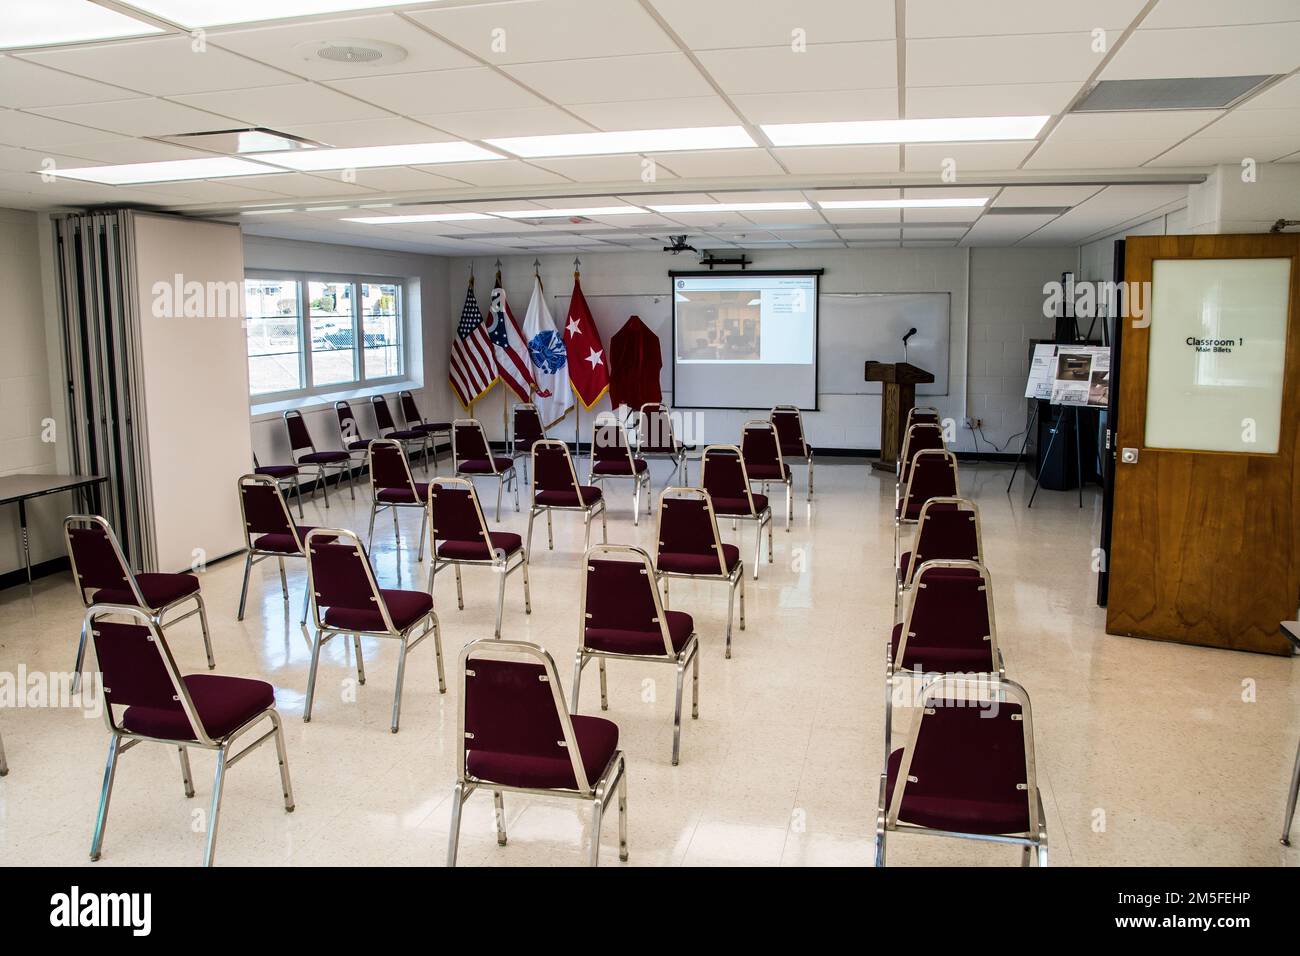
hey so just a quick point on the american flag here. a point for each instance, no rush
(473, 365)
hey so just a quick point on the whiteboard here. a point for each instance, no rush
(612, 311)
(854, 327)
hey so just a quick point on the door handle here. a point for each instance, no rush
(1128, 456)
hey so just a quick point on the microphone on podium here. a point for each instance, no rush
(910, 332)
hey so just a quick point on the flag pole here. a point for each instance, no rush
(505, 401)
(577, 406)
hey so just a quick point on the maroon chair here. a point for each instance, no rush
(655, 439)
(926, 414)
(460, 536)
(408, 437)
(472, 458)
(284, 475)
(949, 628)
(760, 446)
(146, 700)
(967, 770)
(918, 437)
(346, 599)
(515, 734)
(788, 422)
(357, 445)
(527, 428)
(624, 619)
(269, 532)
(724, 475)
(932, 474)
(392, 487)
(611, 457)
(689, 547)
(556, 488)
(415, 422)
(99, 567)
(323, 461)
(948, 530)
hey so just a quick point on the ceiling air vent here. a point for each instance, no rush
(351, 50)
(1026, 210)
(1177, 93)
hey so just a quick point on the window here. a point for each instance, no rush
(309, 334)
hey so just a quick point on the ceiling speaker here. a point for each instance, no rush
(351, 50)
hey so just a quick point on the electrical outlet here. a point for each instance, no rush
(973, 423)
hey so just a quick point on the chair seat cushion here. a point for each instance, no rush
(739, 506)
(698, 563)
(506, 541)
(324, 457)
(277, 471)
(940, 659)
(403, 496)
(483, 466)
(223, 704)
(359, 444)
(597, 742)
(646, 642)
(768, 472)
(954, 812)
(405, 434)
(158, 590)
(567, 499)
(404, 607)
(619, 466)
(284, 543)
(429, 427)
(910, 510)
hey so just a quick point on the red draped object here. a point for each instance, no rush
(634, 363)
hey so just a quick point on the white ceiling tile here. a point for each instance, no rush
(495, 124)
(132, 151)
(1209, 51)
(869, 232)
(30, 161)
(658, 114)
(934, 157)
(1212, 151)
(861, 217)
(388, 131)
(946, 216)
(784, 218)
(1044, 195)
(839, 159)
(1209, 13)
(1283, 95)
(998, 60)
(139, 117)
(626, 168)
(40, 132)
(971, 18)
(929, 243)
(504, 172)
(827, 106)
(163, 67)
(911, 231)
(610, 79)
(276, 105)
(1019, 99)
(720, 163)
(548, 30)
(308, 186)
(1256, 123)
(404, 179)
(1115, 205)
(723, 24)
(823, 66)
(1004, 229)
(1063, 154)
(418, 94)
(1145, 124)
(24, 85)
(203, 191)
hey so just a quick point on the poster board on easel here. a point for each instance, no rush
(1076, 375)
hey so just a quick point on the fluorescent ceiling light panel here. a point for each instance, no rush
(431, 217)
(65, 21)
(171, 171)
(625, 141)
(364, 157)
(732, 207)
(211, 13)
(953, 203)
(564, 213)
(961, 129)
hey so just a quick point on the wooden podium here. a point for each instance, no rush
(900, 381)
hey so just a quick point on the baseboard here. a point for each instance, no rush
(13, 579)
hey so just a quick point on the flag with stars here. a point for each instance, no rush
(513, 363)
(588, 368)
(473, 367)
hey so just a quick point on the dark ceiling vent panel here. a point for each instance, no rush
(1176, 93)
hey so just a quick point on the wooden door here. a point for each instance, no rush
(1206, 544)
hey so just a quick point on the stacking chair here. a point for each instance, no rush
(284, 475)
(357, 446)
(515, 734)
(407, 437)
(949, 629)
(526, 428)
(623, 618)
(414, 421)
(655, 439)
(392, 487)
(146, 700)
(948, 529)
(918, 437)
(269, 532)
(611, 457)
(300, 438)
(99, 566)
(922, 413)
(689, 547)
(932, 474)
(460, 536)
(556, 488)
(967, 770)
(789, 431)
(346, 599)
(760, 446)
(472, 458)
(724, 475)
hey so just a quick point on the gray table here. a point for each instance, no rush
(19, 489)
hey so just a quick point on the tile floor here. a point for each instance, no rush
(1147, 753)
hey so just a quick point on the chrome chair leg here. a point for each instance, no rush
(598, 812)
(499, 804)
(528, 544)
(186, 777)
(460, 594)
(740, 580)
(424, 526)
(453, 835)
(397, 691)
(550, 531)
(695, 684)
(604, 524)
(214, 815)
(370, 534)
(282, 756)
(578, 661)
(297, 490)
(284, 581)
(622, 812)
(810, 478)
(243, 594)
(324, 484)
(501, 599)
(203, 623)
(437, 651)
(1291, 800)
(361, 663)
(528, 601)
(501, 485)
(101, 818)
(306, 601)
(789, 503)
(586, 527)
(758, 547)
(731, 606)
(677, 713)
(4, 765)
(604, 686)
(81, 656)
(311, 677)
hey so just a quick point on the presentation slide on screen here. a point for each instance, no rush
(745, 341)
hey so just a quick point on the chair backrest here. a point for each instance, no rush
(723, 475)
(349, 430)
(527, 426)
(927, 414)
(553, 468)
(609, 441)
(388, 466)
(299, 436)
(512, 703)
(339, 575)
(620, 592)
(919, 437)
(972, 743)
(654, 434)
(687, 525)
(948, 530)
(455, 512)
(469, 443)
(96, 557)
(933, 475)
(137, 667)
(789, 426)
(383, 416)
(410, 411)
(264, 509)
(759, 444)
(952, 607)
